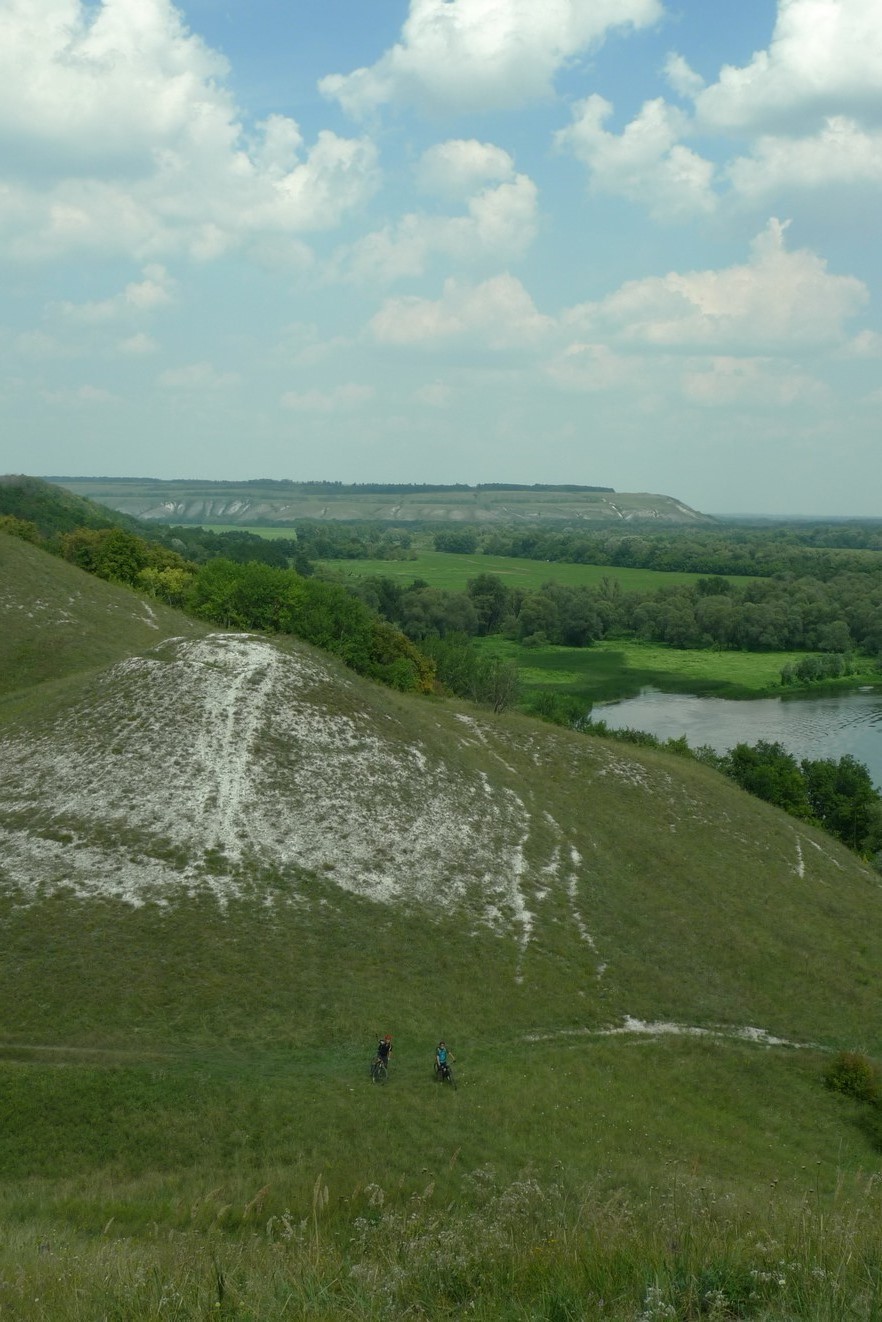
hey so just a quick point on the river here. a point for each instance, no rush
(828, 726)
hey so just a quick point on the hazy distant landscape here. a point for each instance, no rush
(266, 502)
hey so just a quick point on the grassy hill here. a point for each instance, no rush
(53, 509)
(226, 864)
(231, 504)
(58, 621)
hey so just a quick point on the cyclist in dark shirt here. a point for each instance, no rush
(384, 1049)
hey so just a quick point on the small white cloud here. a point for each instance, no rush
(500, 226)
(867, 344)
(497, 314)
(590, 367)
(840, 155)
(684, 80)
(455, 169)
(721, 382)
(341, 398)
(463, 55)
(646, 162)
(138, 345)
(195, 376)
(155, 290)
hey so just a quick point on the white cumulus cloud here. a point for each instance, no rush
(824, 58)
(496, 314)
(646, 162)
(154, 290)
(118, 134)
(457, 168)
(499, 226)
(841, 154)
(462, 55)
(778, 300)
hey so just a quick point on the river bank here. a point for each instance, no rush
(622, 668)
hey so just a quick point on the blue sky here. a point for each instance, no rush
(625, 242)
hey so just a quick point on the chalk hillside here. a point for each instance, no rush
(606, 887)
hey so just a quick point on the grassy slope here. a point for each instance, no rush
(59, 621)
(161, 1065)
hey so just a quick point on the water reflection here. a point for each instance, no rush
(808, 727)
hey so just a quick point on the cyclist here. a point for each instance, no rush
(442, 1056)
(384, 1049)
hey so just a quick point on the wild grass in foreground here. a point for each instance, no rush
(513, 1250)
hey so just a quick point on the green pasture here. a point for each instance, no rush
(202, 1139)
(444, 570)
(620, 668)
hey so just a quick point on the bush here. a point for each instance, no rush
(854, 1075)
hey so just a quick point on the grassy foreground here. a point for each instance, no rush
(250, 1187)
(200, 1138)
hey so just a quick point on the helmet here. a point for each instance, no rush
(388, 1037)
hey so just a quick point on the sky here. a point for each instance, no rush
(627, 243)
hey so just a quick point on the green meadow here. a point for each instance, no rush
(446, 570)
(620, 668)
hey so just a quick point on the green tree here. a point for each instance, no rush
(490, 598)
(771, 773)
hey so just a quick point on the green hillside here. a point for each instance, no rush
(52, 508)
(59, 621)
(227, 864)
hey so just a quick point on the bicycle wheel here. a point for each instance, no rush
(379, 1071)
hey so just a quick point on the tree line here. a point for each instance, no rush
(840, 616)
(815, 550)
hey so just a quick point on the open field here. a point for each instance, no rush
(620, 668)
(445, 570)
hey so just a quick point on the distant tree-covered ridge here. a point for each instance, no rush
(337, 488)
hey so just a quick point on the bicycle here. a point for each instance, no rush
(379, 1070)
(444, 1074)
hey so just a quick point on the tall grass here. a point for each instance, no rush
(517, 1249)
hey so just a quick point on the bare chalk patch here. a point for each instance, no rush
(642, 1028)
(209, 764)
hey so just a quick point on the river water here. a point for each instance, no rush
(807, 727)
